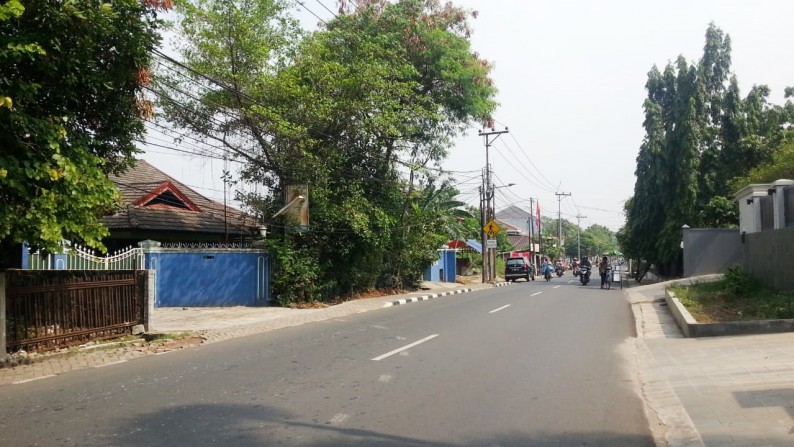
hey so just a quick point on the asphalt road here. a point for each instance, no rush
(530, 364)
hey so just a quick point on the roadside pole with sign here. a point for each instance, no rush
(491, 229)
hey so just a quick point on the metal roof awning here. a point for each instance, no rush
(477, 246)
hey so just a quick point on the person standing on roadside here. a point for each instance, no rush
(603, 266)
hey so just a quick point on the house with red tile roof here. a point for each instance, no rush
(158, 207)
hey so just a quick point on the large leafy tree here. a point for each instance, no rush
(362, 111)
(71, 75)
(699, 136)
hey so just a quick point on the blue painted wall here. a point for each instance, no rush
(210, 278)
(444, 269)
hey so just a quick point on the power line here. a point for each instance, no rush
(548, 182)
(312, 12)
(526, 172)
(326, 8)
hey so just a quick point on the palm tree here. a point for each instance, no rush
(450, 214)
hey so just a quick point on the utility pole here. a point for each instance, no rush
(579, 217)
(483, 221)
(532, 232)
(489, 193)
(560, 195)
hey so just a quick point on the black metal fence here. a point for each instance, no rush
(57, 308)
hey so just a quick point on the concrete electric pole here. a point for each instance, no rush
(490, 254)
(579, 217)
(560, 195)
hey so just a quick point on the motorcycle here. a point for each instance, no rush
(584, 275)
(560, 270)
(547, 272)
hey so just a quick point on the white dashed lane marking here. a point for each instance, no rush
(536, 293)
(338, 419)
(404, 348)
(497, 310)
(555, 287)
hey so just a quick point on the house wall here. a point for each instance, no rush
(746, 217)
(709, 250)
(210, 277)
(444, 269)
(767, 255)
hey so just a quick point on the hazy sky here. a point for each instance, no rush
(571, 78)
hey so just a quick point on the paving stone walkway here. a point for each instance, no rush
(718, 391)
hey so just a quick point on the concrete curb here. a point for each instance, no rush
(416, 299)
(659, 399)
(692, 329)
(662, 403)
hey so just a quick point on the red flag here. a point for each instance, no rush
(538, 213)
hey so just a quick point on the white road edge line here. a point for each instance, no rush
(497, 310)
(19, 382)
(398, 350)
(555, 287)
(109, 364)
(536, 293)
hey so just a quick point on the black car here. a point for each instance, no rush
(519, 268)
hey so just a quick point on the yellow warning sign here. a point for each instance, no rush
(491, 229)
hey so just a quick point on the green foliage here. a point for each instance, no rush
(699, 135)
(297, 273)
(721, 212)
(362, 111)
(70, 80)
(781, 166)
(739, 283)
(735, 298)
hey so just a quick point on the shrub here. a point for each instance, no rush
(739, 283)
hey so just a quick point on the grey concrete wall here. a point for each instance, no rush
(768, 256)
(709, 250)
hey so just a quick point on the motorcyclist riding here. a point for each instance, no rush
(546, 268)
(584, 270)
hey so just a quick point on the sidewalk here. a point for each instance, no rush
(208, 325)
(720, 391)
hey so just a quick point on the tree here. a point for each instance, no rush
(699, 136)
(71, 79)
(362, 111)
(781, 166)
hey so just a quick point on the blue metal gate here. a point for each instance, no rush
(202, 277)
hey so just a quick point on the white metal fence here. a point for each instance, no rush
(75, 257)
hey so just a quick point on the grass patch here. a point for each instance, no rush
(738, 297)
(154, 338)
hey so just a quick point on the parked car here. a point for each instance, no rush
(519, 267)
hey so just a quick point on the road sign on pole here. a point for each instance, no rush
(491, 228)
(490, 243)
